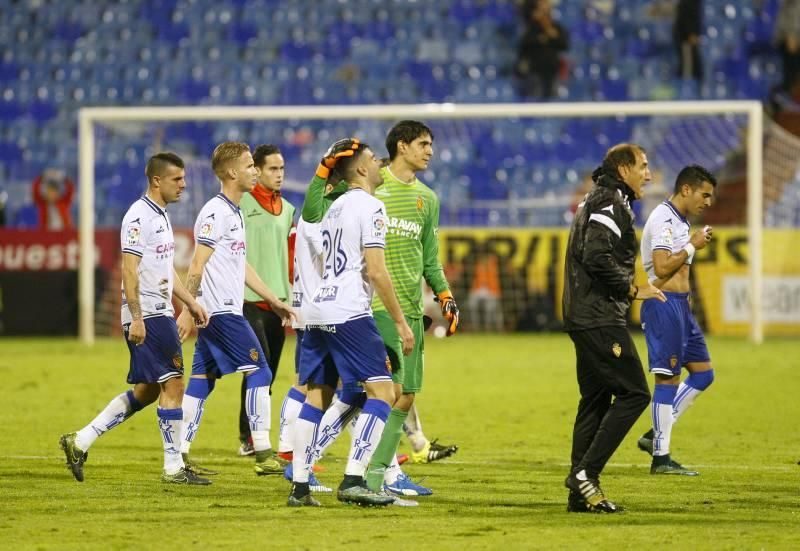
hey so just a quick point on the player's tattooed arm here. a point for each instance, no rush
(201, 255)
(136, 331)
(130, 283)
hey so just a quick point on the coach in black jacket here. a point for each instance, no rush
(598, 291)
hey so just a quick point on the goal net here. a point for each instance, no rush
(508, 177)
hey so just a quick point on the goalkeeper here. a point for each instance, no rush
(412, 253)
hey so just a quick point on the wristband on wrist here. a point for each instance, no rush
(690, 250)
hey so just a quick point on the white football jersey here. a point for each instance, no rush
(666, 229)
(308, 268)
(356, 221)
(147, 233)
(220, 226)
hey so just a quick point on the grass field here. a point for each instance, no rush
(508, 401)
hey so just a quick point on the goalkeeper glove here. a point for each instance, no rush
(339, 149)
(449, 310)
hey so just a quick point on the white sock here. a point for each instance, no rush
(366, 435)
(290, 409)
(192, 415)
(684, 399)
(117, 411)
(662, 427)
(305, 435)
(413, 429)
(336, 417)
(258, 407)
(393, 471)
(169, 424)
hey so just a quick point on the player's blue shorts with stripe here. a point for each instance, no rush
(355, 348)
(159, 357)
(672, 334)
(227, 345)
(297, 348)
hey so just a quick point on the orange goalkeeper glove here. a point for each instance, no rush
(449, 310)
(338, 150)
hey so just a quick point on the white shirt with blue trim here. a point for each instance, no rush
(355, 222)
(308, 268)
(666, 229)
(146, 232)
(220, 226)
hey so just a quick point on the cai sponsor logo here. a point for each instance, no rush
(238, 246)
(165, 248)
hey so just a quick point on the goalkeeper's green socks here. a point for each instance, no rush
(387, 449)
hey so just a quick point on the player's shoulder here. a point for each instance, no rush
(139, 212)
(660, 214)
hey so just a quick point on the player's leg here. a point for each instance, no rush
(170, 417)
(424, 450)
(342, 410)
(359, 356)
(617, 368)
(698, 363)
(386, 453)
(290, 408)
(319, 385)
(255, 317)
(157, 358)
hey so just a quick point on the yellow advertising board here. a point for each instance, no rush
(532, 262)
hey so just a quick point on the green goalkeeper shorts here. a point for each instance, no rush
(406, 370)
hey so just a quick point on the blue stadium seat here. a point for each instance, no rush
(27, 217)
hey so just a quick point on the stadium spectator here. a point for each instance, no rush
(598, 291)
(539, 52)
(484, 300)
(52, 195)
(269, 227)
(154, 343)
(787, 38)
(674, 339)
(686, 32)
(218, 273)
(341, 328)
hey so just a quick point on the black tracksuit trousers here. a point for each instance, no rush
(607, 366)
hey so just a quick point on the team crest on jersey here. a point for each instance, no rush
(206, 229)
(420, 204)
(177, 361)
(616, 349)
(673, 361)
(133, 234)
(254, 354)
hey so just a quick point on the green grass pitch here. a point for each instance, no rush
(507, 401)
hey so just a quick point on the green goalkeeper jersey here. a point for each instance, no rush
(412, 241)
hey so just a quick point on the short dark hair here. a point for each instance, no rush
(344, 167)
(623, 154)
(694, 176)
(263, 151)
(159, 162)
(405, 131)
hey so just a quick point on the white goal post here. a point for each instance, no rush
(89, 116)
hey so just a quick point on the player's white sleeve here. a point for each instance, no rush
(373, 225)
(209, 227)
(132, 235)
